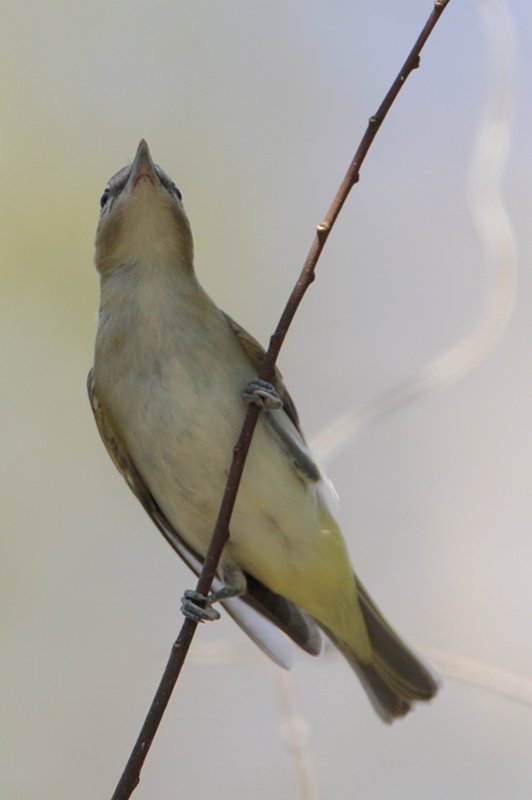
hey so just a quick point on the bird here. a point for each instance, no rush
(171, 379)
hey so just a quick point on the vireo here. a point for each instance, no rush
(171, 377)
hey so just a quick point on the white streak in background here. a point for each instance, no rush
(296, 733)
(295, 730)
(483, 676)
(496, 236)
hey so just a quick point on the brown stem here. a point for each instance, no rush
(131, 775)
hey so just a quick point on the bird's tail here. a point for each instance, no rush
(394, 678)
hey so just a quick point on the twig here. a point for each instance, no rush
(496, 236)
(131, 775)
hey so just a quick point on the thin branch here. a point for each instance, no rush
(496, 235)
(131, 775)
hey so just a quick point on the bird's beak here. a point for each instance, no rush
(143, 168)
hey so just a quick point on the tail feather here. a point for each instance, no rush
(405, 668)
(395, 678)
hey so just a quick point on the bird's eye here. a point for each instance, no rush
(177, 192)
(104, 198)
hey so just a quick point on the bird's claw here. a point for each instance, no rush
(263, 394)
(198, 607)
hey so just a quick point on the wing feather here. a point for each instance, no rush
(255, 353)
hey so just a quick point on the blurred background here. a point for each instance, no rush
(255, 110)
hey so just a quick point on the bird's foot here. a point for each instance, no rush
(263, 394)
(198, 607)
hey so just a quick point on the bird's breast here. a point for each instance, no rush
(170, 375)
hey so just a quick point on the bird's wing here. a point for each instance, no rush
(284, 421)
(255, 352)
(260, 613)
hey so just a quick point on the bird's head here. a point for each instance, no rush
(142, 218)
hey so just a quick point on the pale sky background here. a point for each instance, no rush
(254, 107)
